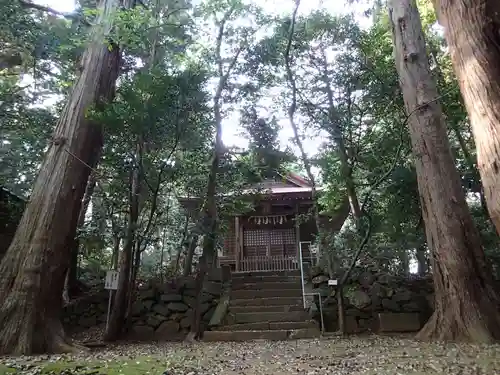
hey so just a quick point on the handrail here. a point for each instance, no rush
(320, 309)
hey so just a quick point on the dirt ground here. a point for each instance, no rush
(333, 356)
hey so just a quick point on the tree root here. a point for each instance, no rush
(24, 332)
(190, 338)
(462, 322)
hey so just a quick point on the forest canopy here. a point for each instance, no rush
(115, 112)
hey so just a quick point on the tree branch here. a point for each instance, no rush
(72, 15)
(355, 257)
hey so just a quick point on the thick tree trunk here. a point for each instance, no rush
(33, 269)
(471, 162)
(466, 306)
(119, 310)
(471, 30)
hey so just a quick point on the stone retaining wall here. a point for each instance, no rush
(372, 293)
(164, 312)
(160, 311)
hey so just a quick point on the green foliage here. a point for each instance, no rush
(266, 157)
(347, 95)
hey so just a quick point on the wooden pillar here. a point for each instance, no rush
(297, 228)
(237, 242)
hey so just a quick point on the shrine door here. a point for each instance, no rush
(269, 242)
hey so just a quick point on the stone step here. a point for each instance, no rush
(254, 317)
(265, 293)
(265, 301)
(273, 326)
(267, 285)
(236, 275)
(265, 279)
(278, 335)
(266, 308)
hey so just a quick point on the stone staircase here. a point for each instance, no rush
(265, 305)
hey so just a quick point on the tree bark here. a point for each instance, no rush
(466, 306)
(291, 118)
(346, 173)
(119, 310)
(188, 260)
(33, 269)
(196, 330)
(469, 159)
(471, 30)
(132, 284)
(71, 283)
(179, 250)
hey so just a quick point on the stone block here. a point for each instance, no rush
(161, 309)
(398, 322)
(366, 279)
(226, 273)
(141, 332)
(154, 320)
(177, 307)
(215, 274)
(304, 333)
(186, 322)
(402, 295)
(171, 298)
(208, 314)
(190, 301)
(212, 287)
(351, 324)
(167, 328)
(147, 294)
(389, 304)
(148, 304)
(206, 297)
(320, 279)
(360, 299)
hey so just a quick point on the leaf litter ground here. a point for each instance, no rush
(373, 355)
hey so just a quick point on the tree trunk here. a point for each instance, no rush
(33, 270)
(465, 302)
(210, 211)
(469, 159)
(471, 30)
(118, 312)
(132, 284)
(346, 173)
(188, 260)
(195, 330)
(179, 250)
(291, 118)
(71, 284)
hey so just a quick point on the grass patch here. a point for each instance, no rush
(136, 366)
(4, 370)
